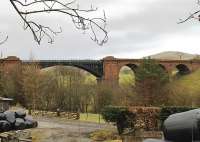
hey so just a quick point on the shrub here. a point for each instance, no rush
(147, 118)
(120, 116)
(111, 113)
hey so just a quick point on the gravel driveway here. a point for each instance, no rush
(56, 130)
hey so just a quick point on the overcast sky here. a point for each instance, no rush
(136, 28)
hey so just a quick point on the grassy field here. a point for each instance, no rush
(185, 90)
(190, 83)
(91, 118)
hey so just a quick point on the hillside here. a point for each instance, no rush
(126, 76)
(186, 89)
(88, 77)
(173, 55)
(190, 82)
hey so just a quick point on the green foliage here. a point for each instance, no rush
(150, 79)
(150, 69)
(112, 113)
(167, 111)
(121, 116)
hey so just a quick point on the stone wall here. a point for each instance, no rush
(67, 115)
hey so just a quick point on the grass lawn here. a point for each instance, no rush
(91, 117)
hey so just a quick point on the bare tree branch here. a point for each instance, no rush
(25, 9)
(191, 16)
(4, 40)
(195, 15)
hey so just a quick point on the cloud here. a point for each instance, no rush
(136, 28)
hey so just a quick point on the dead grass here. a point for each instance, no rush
(104, 135)
(185, 90)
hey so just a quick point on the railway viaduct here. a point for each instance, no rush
(107, 69)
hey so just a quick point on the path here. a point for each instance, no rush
(56, 130)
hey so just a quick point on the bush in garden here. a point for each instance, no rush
(147, 118)
(123, 118)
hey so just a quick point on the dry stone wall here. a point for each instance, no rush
(67, 115)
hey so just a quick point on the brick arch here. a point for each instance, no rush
(183, 69)
(133, 67)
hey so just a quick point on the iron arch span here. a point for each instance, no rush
(95, 67)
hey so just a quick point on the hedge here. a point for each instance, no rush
(130, 117)
(123, 118)
(112, 113)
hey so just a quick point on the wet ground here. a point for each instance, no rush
(57, 130)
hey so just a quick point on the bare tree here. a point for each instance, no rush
(27, 8)
(195, 15)
(4, 39)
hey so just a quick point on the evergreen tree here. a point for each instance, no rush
(150, 79)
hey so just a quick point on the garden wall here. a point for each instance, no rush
(67, 115)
